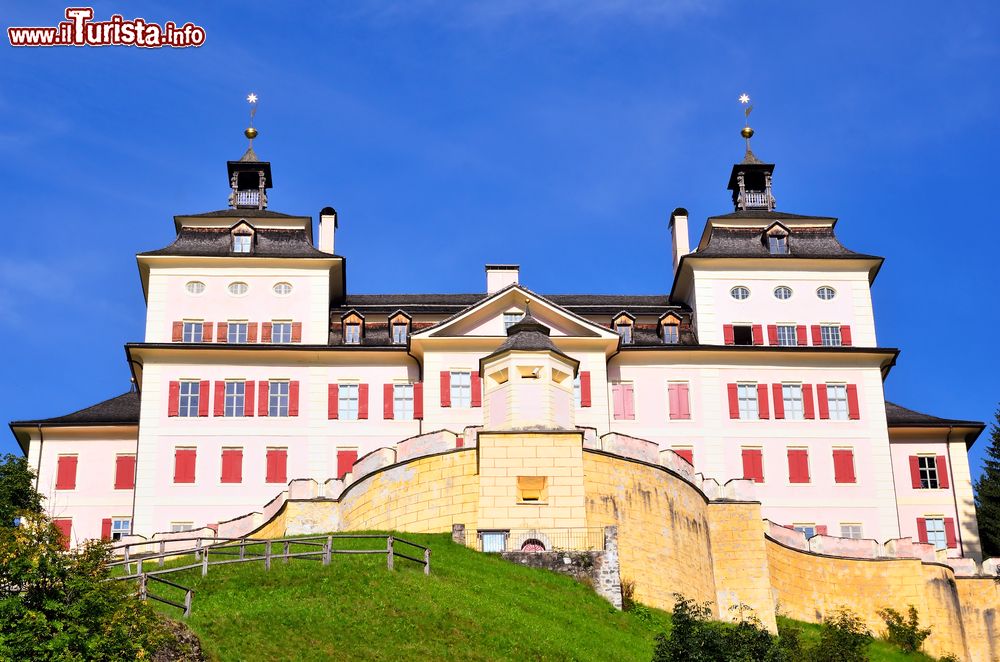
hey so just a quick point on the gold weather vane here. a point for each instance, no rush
(746, 131)
(251, 132)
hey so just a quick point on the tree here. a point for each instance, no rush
(18, 495)
(988, 494)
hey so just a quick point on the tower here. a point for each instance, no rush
(249, 178)
(750, 181)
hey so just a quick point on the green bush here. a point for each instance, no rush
(904, 632)
(843, 638)
(628, 594)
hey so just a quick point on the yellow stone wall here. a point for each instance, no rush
(739, 560)
(980, 598)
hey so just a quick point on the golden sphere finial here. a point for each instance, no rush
(746, 132)
(250, 133)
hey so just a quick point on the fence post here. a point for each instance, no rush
(427, 561)
(243, 548)
(187, 603)
(388, 552)
(267, 555)
(197, 549)
(142, 587)
(138, 566)
(286, 551)
(163, 550)
(327, 550)
(204, 562)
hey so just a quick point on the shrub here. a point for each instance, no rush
(843, 638)
(904, 632)
(628, 594)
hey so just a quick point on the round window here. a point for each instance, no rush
(281, 289)
(783, 293)
(740, 293)
(195, 287)
(238, 288)
(826, 293)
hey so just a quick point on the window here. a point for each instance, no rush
(509, 319)
(782, 293)
(461, 389)
(786, 335)
(281, 332)
(398, 334)
(853, 531)
(179, 527)
(235, 398)
(747, 399)
(742, 334)
(531, 489)
(826, 293)
(190, 394)
(843, 465)
(837, 397)
(402, 402)
(740, 293)
(671, 334)
(241, 243)
(195, 287)
(493, 541)
(193, 331)
(623, 395)
(830, 335)
(791, 396)
(753, 464)
(624, 330)
(120, 526)
(347, 402)
(935, 532)
(808, 529)
(352, 334)
(232, 465)
(777, 244)
(238, 288)
(277, 404)
(927, 465)
(237, 332)
(282, 289)
(798, 465)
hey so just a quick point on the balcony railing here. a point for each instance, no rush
(757, 200)
(248, 198)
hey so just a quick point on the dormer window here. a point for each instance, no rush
(399, 334)
(241, 243)
(670, 328)
(353, 328)
(399, 327)
(623, 327)
(777, 240)
(511, 318)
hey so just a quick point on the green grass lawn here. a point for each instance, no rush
(472, 607)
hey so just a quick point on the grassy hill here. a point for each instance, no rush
(472, 607)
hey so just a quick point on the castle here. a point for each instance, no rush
(734, 430)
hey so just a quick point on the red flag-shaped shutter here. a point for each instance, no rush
(248, 393)
(125, 472)
(106, 528)
(734, 401)
(684, 399)
(845, 335)
(949, 533)
(686, 453)
(753, 465)
(824, 402)
(277, 465)
(220, 398)
(942, 472)
(263, 393)
(758, 334)
(628, 396)
(584, 388)
(853, 412)
(265, 332)
(807, 402)
(915, 472)
(388, 391)
(184, 465)
(817, 335)
(843, 466)
(293, 399)
(66, 472)
(362, 402)
(173, 398)
(206, 332)
(800, 335)
(821, 529)
(418, 400)
(618, 399)
(762, 408)
(203, 398)
(477, 389)
(178, 331)
(223, 332)
(777, 395)
(772, 334)
(674, 406)
(921, 529)
(333, 401)
(798, 465)
(345, 462)
(296, 331)
(445, 388)
(727, 334)
(251, 332)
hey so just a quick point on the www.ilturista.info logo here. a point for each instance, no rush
(80, 30)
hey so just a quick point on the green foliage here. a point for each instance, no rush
(843, 638)
(988, 493)
(55, 606)
(17, 490)
(904, 632)
(628, 595)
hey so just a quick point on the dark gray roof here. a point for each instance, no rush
(772, 215)
(528, 335)
(121, 410)
(802, 242)
(578, 303)
(217, 242)
(240, 213)
(898, 416)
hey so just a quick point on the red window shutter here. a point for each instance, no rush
(265, 332)
(584, 388)
(65, 526)
(843, 466)
(277, 465)
(628, 395)
(800, 335)
(220, 398)
(173, 399)
(203, 398)
(184, 465)
(206, 332)
(727, 334)
(106, 528)
(942, 472)
(686, 453)
(949, 533)
(824, 402)
(388, 391)
(178, 331)
(293, 399)
(817, 336)
(779, 401)
(445, 388)
(921, 529)
(362, 402)
(251, 332)
(333, 401)
(459, 442)
(125, 472)
(798, 465)
(223, 332)
(758, 334)
(734, 401)
(845, 335)
(263, 391)
(853, 412)
(232, 465)
(821, 529)
(296, 331)
(772, 334)
(753, 465)
(66, 472)
(477, 389)
(418, 400)
(915, 472)
(619, 400)
(673, 399)
(762, 408)
(807, 402)
(248, 392)
(345, 462)
(684, 398)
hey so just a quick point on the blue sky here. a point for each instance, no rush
(555, 134)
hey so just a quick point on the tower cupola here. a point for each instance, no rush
(249, 178)
(750, 181)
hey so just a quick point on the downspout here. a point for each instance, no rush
(420, 378)
(607, 391)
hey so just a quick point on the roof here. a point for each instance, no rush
(898, 416)
(528, 335)
(802, 242)
(578, 303)
(772, 215)
(217, 242)
(240, 213)
(120, 410)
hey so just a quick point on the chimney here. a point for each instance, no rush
(679, 234)
(499, 276)
(327, 229)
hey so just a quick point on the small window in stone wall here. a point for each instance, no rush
(532, 545)
(493, 541)
(532, 489)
